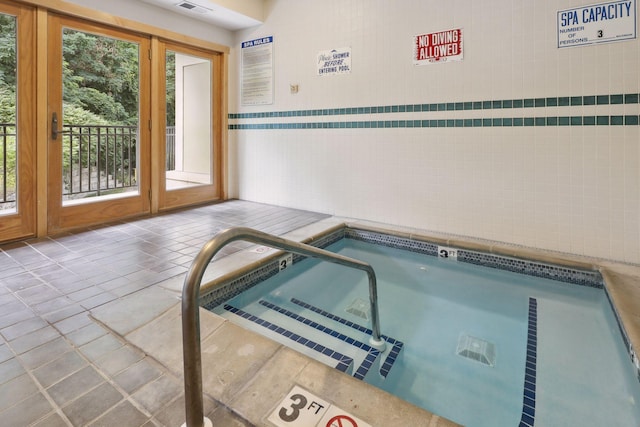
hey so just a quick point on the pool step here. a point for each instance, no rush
(367, 354)
(310, 330)
(327, 355)
(394, 347)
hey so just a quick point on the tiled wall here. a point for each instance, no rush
(520, 142)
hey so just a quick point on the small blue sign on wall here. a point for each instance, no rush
(598, 23)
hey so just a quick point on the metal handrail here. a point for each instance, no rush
(191, 347)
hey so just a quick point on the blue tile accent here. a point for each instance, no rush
(529, 392)
(617, 99)
(342, 362)
(238, 285)
(602, 99)
(422, 122)
(631, 98)
(628, 120)
(562, 274)
(362, 371)
(396, 344)
(392, 241)
(548, 271)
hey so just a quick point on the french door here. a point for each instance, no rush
(81, 101)
(99, 123)
(190, 95)
(17, 126)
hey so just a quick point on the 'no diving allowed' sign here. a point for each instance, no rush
(303, 409)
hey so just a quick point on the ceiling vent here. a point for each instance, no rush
(191, 7)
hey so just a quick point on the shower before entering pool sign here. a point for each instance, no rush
(303, 409)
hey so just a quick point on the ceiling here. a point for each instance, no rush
(221, 13)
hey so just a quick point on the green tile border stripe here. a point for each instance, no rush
(628, 120)
(563, 101)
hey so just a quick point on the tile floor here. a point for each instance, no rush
(59, 367)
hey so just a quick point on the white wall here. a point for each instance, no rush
(566, 188)
(193, 115)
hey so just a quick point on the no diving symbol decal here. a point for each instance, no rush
(342, 421)
(336, 417)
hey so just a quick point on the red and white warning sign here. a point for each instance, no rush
(303, 409)
(336, 417)
(442, 46)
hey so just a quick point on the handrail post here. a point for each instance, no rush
(191, 346)
(376, 340)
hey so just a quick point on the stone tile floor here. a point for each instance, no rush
(59, 367)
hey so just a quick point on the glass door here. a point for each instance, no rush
(191, 153)
(17, 126)
(99, 124)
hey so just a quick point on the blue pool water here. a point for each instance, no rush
(478, 345)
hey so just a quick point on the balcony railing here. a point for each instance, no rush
(96, 160)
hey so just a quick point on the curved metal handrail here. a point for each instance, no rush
(191, 347)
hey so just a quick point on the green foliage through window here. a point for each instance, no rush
(101, 76)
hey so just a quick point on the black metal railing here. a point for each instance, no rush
(97, 160)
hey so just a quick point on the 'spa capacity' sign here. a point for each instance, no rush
(597, 23)
(437, 47)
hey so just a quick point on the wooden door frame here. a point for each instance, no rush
(22, 224)
(204, 193)
(95, 211)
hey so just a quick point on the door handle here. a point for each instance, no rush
(54, 127)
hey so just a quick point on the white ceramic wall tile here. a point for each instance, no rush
(566, 188)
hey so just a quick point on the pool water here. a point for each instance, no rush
(478, 345)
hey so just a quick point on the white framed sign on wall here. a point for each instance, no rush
(257, 71)
(598, 23)
(334, 61)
